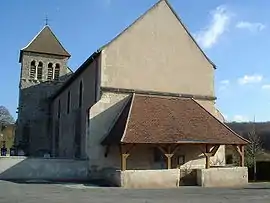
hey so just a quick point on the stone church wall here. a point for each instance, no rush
(67, 125)
(33, 115)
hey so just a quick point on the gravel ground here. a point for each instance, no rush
(65, 193)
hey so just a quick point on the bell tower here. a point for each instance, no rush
(43, 70)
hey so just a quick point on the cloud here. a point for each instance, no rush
(247, 79)
(266, 87)
(252, 27)
(225, 82)
(219, 23)
(240, 118)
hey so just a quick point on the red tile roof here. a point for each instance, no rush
(153, 119)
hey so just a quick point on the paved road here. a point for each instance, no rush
(75, 193)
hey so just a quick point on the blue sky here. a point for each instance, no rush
(234, 34)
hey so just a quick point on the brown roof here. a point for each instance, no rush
(153, 119)
(47, 43)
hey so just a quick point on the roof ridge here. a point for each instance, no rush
(129, 26)
(219, 121)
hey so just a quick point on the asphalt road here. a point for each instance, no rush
(75, 193)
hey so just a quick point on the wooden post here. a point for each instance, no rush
(125, 152)
(169, 160)
(124, 161)
(207, 156)
(243, 156)
(241, 151)
(169, 154)
(207, 164)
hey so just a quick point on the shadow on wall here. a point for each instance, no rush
(33, 124)
(23, 169)
(101, 158)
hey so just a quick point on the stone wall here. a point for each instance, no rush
(22, 168)
(72, 126)
(33, 110)
(223, 177)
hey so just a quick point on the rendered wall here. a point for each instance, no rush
(22, 168)
(149, 178)
(223, 177)
(102, 117)
(168, 53)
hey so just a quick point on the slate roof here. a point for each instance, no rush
(46, 42)
(154, 119)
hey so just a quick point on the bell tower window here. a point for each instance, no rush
(50, 71)
(39, 71)
(33, 70)
(57, 71)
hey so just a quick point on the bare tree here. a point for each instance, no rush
(253, 149)
(5, 116)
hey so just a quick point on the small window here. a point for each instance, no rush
(81, 94)
(59, 109)
(68, 102)
(33, 70)
(39, 71)
(50, 71)
(57, 71)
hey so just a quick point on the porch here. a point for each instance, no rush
(162, 140)
(174, 165)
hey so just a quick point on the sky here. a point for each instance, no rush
(235, 35)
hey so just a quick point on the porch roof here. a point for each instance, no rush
(155, 119)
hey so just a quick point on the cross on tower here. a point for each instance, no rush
(46, 20)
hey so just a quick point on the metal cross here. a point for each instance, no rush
(46, 20)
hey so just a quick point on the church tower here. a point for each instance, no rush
(43, 70)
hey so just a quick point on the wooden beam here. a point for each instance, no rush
(125, 152)
(169, 153)
(241, 151)
(169, 160)
(175, 149)
(124, 161)
(208, 153)
(207, 163)
(161, 149)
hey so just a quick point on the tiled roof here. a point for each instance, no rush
(47, 43)
(154, 119)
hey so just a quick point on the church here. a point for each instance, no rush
(143, 103)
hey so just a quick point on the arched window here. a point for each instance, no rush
(57, 71)
(39, 71)
(68, 102)
(33, 70)
(80, 94)
(59, 109)
(50, 71)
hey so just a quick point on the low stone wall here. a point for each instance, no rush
(23, 168)
(146, 178)
(223, 177)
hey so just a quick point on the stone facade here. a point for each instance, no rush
(69, 127)
(33, 111)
